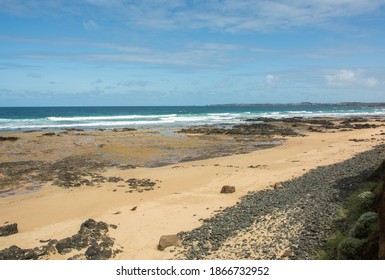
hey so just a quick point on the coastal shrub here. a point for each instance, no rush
(330, 251)
(350, 249)
(364, 225)
(322, 255)
(335, 239)
(366, 200)
(360, 201)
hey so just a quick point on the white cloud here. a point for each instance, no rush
(347, 77)
(270, 80)
(371, 82)
(224, 15)
(90, 25)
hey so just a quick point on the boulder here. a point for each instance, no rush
(8, 229)
(167, 241)
(228, 189)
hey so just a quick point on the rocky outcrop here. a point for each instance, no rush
(91, 237)
(8, 229)
(16, 253)
(263, 129)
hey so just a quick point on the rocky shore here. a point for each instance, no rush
(291, 220)
(226, 195)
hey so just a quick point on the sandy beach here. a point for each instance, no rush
(145, 184)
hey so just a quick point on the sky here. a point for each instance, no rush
(190, 52)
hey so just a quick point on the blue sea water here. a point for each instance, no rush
(31, 118)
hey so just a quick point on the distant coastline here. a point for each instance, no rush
(342, 104)
(172, 117)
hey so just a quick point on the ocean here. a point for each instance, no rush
(33, 118)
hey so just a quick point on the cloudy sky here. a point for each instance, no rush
(190, 52)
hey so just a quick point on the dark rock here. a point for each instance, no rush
(11, 138)
(114, 179)
(134, 183)
(91, 236)
(242, 129)
(12, 253)
(95, 252)
(88, 224)
(8, 229)
(228, 189)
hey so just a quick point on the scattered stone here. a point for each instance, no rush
(167, 241)
(127, 166)
(257, 166)
(132, 182)
(358, 140)
(228, 189)
(8, 229)
(114, 179)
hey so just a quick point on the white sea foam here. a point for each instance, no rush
(92, 118)
(174, 120)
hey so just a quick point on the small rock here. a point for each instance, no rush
(228, 189)
(167, 241)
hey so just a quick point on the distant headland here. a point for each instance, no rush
(347, 104)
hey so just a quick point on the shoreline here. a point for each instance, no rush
(184, 193)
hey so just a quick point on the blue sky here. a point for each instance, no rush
(190, 52)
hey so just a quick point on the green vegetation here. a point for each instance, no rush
(356, 222)
(360, 201)
(350, 248)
